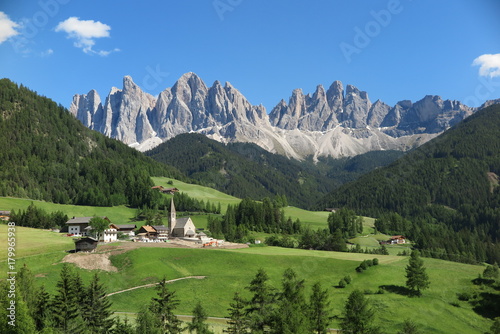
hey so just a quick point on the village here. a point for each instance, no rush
(179, 231)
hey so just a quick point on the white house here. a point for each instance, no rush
(79, 227)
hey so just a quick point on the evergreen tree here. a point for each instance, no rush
(319, 309)
(416, 276)
(148, 322)
(96, 308)
(237, 319)
(122, 327)
(491, 271)
(291, 315)
(409, 327)
(198, 324)
(42, 314)
(65, 305)
(261, 306)
(358, 315)
(163, 307)
(495, 327)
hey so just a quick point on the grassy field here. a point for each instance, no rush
(117, 214)
(228, 271)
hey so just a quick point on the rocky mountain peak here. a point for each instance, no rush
(335, 122)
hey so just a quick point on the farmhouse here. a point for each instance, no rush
(146, 232)
(397, 239)
(128, 229)
(79, 226)
(180, 227)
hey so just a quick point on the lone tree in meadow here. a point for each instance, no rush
(358, 315)
(416, 276)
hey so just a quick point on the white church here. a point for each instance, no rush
(180, 227)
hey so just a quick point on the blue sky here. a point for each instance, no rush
(393, 49)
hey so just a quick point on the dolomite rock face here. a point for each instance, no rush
(327, 123)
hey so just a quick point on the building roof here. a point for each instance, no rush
(124, 226)
(82, 220)
(86, 239)
(160, 228)
(4, 213)
(148, 228)
(397, 237)
(182, 222)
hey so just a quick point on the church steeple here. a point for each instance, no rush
(173, 217)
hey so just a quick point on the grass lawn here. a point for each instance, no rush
(228, 271)
(31, 241)
(117, 214)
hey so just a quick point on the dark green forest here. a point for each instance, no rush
(446, 191)
(49, 155)
(245, 170)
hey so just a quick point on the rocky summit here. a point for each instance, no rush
(333, 122)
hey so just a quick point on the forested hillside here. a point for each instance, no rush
(246, 170)
(46, 154)
(447, 189)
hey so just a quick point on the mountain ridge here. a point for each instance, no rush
(333, 122)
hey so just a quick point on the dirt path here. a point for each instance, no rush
(153, 284)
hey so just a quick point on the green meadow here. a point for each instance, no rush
(228, 271)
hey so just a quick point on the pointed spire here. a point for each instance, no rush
(173, 217)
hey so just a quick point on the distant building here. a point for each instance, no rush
(85, 244)
(79, 227)
(128, 229)
(4, 215)
(180, 227)
(397, 239)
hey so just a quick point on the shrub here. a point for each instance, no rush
(375, 262)
(342, 283)
(359, 269)
(347, 279)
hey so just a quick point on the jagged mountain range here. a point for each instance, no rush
(333, 122)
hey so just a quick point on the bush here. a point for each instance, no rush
(375, 262)
(359, 269)
(347, 279)
(342, 283)
(369, 263)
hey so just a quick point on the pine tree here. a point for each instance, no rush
(122, 327)
(237, 319)
(291, 314)
(409, 327)
(416, 276)
(260, 307)
(148, 322)
(358, 315)
(96, 308)
(42, 314)
(319, 309)
(65, 305)
(163, 307)
(198, 323)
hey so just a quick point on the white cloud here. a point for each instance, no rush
(7, 27)
(47, 53)
(489, 65)
(85, 32)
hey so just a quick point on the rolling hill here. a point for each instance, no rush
(49, 155)
(448, 187)
(247, 171)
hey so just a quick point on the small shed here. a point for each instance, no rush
(85, 244)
